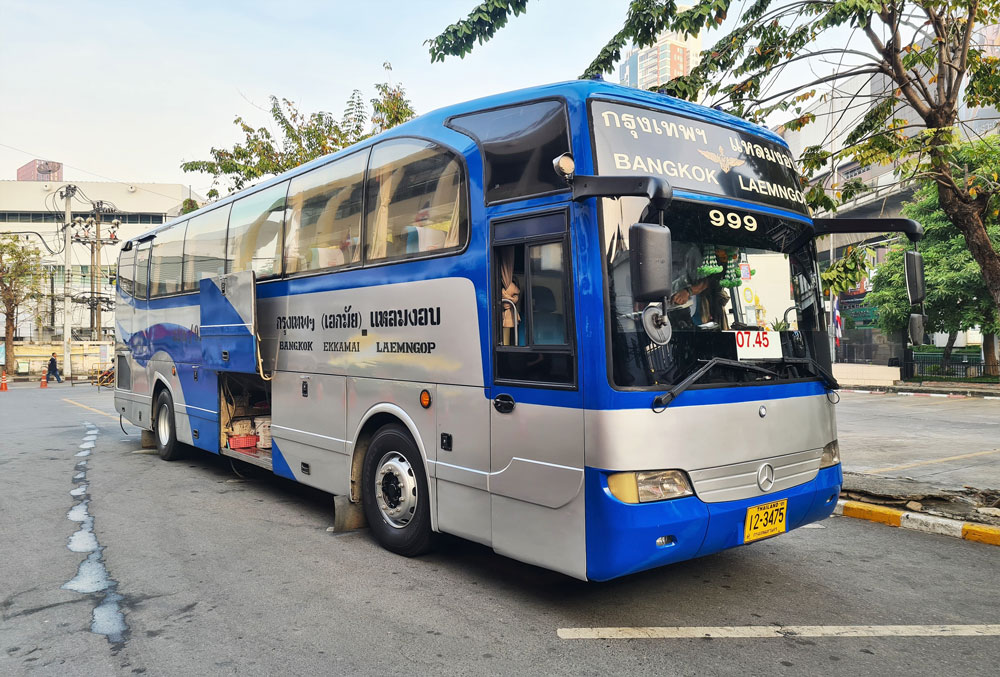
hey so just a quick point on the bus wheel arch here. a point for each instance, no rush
(378, 417)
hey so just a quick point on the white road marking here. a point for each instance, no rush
(777, 631)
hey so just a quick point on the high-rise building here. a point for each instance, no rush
(672, 56)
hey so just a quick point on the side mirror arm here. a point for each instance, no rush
(656, 190)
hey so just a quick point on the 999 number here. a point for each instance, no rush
(718, 218)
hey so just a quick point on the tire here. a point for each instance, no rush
(394, 493)
(164, 429)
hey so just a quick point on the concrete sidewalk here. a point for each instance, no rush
(936, 456)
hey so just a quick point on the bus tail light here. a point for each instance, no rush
(649, 486)
(831, 455)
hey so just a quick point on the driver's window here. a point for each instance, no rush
(533, 301)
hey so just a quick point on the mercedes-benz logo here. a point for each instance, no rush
(765, 477)
(762, 411)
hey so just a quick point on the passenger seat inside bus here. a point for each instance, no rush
(549, 326)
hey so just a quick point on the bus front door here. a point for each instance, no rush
(536, 417)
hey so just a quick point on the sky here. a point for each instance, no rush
(129, 90)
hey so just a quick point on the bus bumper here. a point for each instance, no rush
(622, 537)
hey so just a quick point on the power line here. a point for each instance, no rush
(101, 176)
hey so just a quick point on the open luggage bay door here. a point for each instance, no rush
(229, 322)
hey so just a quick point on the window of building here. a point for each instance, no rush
(142, 270)
(126, 270)
(414, 200)
(324, 216)
(255, 225)
(205, 247)
(518, 144)
(166, 261)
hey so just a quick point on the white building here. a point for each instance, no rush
(34, 210)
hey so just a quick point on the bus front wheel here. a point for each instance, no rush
(394, 495)
(164, 429)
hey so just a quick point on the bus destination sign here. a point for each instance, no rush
(694, 155)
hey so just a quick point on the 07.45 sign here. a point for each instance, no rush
(757, 344)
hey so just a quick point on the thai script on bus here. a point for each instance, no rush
(406, 317)
(286, 322)
(651, 126)
(762, 151)
(343, 320)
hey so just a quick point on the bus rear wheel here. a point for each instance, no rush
(164, 429)
(394, 493)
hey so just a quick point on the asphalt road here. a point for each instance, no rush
(215, 574)
(948, 442)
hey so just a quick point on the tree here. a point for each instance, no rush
(926, 53)
(300, 137)
(21, 276)
(189, 205)
(957, 297)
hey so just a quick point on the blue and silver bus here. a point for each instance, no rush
(581, 324)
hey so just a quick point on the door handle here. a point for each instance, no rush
(503, 403)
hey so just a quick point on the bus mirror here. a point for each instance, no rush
(914, 265)
(650, 262)
(917, 324)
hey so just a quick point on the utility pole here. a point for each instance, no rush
(67, 194)
(97, 272)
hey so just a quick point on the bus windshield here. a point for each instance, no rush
(735, 294)
(745, 284)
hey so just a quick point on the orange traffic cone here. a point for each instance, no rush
(3, 382)
(45, 381)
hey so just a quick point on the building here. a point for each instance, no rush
(672, 56)
(40, 170)
(837, 113)
(34, 209)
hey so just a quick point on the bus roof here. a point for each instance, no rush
(573, 91)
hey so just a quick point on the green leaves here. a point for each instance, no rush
(21, 278)
(482, 24)
(847, 273)
(301, 137)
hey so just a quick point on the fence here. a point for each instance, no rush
(958, 370)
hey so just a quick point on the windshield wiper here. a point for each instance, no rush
(666, 398)
(817, 369)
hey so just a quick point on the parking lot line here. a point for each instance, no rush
(96, 411)
(776, 631)
(936, 460)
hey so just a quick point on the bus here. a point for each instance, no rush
(581, 324)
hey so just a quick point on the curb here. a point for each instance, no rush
(970, 531)
(954, 394)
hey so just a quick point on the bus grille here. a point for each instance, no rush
(738, 481)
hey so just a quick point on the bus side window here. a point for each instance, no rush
(255, 236)
(205, 247)
(126, 271)
(518, 144)
(414, 201)
(166, 261)
(323, 224)
(533, 301)
(142, 270)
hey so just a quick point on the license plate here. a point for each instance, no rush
(767, 519)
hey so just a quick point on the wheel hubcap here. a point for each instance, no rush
(163, 425)
(396, 490)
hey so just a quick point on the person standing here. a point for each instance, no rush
(53, 369)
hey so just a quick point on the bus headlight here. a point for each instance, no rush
(648, 486)
(831, 455)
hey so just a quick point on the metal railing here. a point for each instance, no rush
(959, 370)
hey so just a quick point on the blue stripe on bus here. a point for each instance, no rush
(278, 463)
(622, 537)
